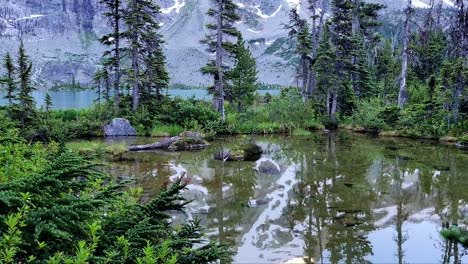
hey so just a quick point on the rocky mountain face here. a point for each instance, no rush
(61, 36)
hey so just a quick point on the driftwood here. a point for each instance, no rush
(158, 145)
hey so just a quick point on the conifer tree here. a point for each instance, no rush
(300, 31)
(142, 27)
(342, 39)
(318, 20)
(219, 42)
(157, 76)
(386, 72)
(9, 79)
(48, 102)
(243, 77)
(26, 101)
(114, 14)
(324, 66)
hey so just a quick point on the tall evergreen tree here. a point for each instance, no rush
(157, 76)
(243, 77)
(9, 79)
(141, 20)
(114, 14)
(386, 71)
(342, 39)
(48, 102)
(365, 38)
(324, 66)
(219, 42)
(26, 101)
(318, 20)
(300, 31)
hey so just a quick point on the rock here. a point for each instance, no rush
(461, 146)
(252, 152)
(248, 152)
(267, 166)
(223, 154)
(119, 127)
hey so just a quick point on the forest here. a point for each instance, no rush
(58, 205)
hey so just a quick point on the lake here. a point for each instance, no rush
(336, 198)
(84, 99)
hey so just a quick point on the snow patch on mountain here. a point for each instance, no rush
(419, 4)
(177, 6)
(260, 13)
(448, 2)
(28, 17)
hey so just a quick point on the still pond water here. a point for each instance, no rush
(336, 198)
(84, 99)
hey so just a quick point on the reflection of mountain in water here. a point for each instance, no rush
(334, 198)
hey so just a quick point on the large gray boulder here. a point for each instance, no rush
(119, 127)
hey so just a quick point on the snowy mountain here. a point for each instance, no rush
(61, 36)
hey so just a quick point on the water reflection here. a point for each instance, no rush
(331, 198)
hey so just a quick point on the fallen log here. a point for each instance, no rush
(158, 145)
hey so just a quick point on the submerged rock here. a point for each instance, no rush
(268, 166)
(119, 127)
(248, 152)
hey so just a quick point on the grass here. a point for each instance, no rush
(166, 130)
(301, 132)
(91, 148)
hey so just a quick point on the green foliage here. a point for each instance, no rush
(369, 114)
(243, 78)
(281, 115)
(301, 132)
(73, 213)
(166, 130)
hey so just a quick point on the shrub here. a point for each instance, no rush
(368, 115)
(166, 130)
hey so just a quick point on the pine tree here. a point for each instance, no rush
(142, 27)
(365, 38)
(386, 71)
(324, 66)
(300, 31)
(243, 77)
(26, 101)
(459, 36)
(114, 14)
(342, 39)
(157, 76)
(219, 43)
(9, 79)
(318, 20)
(48, 102)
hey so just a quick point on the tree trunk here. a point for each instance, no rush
(219, 91)
(135, 66)
(354, 60)
(117, 55)
(316, 33)
(305, 76)
(402, 94)
(158, 145)
(334, 106)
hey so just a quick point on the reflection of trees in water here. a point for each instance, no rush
(228, 206)
(333, 200)
(450, 194)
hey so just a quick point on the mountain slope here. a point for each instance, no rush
(61, 36)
